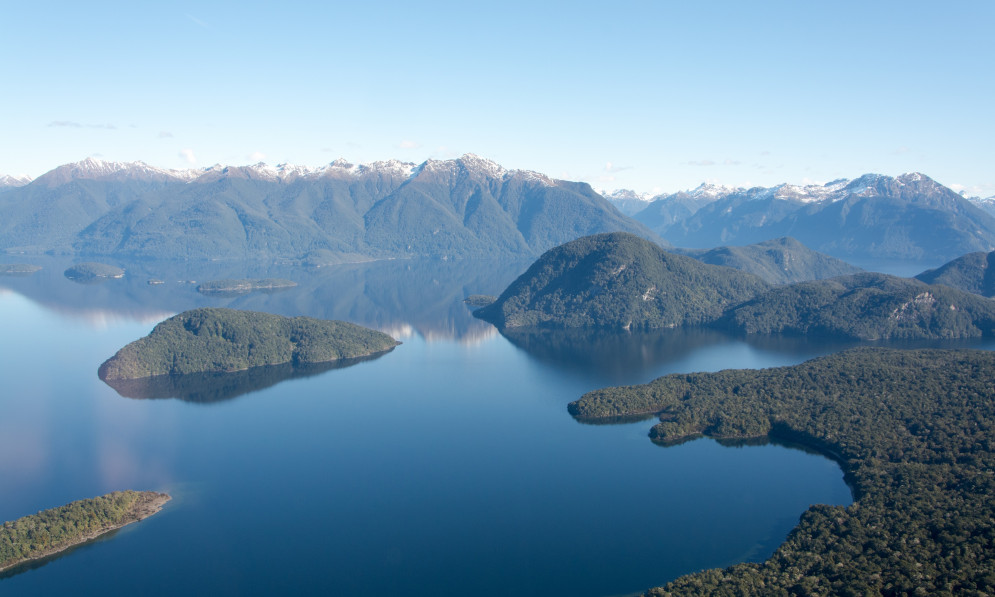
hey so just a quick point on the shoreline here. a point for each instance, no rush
(143, 508)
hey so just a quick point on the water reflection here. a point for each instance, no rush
(424, 296)
(206, 388)
(613, 354)
(616, 357)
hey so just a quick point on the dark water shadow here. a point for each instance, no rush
(208, 388)
(611, 354)
(35, 564)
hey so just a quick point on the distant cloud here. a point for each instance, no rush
(407, 144)
(165, 135)
(731, 162)
(611, 167)
(187, 154)
(701, 163)
(326, 150)
(256, 156)
(77, 125)
(198, 21)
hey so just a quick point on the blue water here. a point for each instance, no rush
(449, 465)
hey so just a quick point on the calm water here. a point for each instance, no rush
(448, 465)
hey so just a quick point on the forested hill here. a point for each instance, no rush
(915, 434)
(466, 207)
(867, 306)
(220, 340)
(621, 281)
(618, 280)
(972, 273)
(778, 261)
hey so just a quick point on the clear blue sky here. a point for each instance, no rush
(641, 95)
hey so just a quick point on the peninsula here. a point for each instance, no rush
(57, 529)
(223, 340)
(912, 431)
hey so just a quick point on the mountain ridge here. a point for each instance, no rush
(465, 207)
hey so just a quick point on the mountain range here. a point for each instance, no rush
(909, 217)
(466, 207)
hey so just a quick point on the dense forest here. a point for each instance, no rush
(211, 339)
(915, 434)
(618, 280)
(972, 273)
(867, 306)
(777, 261)
(621, 281)
(53, 530)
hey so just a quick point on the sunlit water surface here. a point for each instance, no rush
(447, 466)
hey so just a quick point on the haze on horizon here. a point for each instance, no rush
(651, 97)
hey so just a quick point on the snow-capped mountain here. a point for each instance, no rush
(910, 216)
(10, 181)
(94, 169)
(459, 207)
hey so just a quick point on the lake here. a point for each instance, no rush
(448, 465)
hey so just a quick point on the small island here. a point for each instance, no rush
(913, 433)
(244, 285)
(18, 269)
(91, 271)
(225, 340)
(57, 529)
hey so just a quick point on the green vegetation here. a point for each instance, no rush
(18, 269)
(915, 434)
(973, 272)
(866, 306)
(93, 271)
(779, 261)
(204, 340)
(479, 300)
(621, 281)
(244, 285)
(618, 280)
(54, 530)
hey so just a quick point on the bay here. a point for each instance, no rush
(445, 466)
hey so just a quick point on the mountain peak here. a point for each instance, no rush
(95, 169)
(9, 181)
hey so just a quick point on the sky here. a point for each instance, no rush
(650, 96)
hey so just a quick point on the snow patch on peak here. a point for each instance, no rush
(11, 181)
(624, 195)
(707, 190)
(96, 169)
(475, 162)
(811, 193)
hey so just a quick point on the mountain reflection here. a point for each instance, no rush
(206, 388)
(421, 295)
(611, 354)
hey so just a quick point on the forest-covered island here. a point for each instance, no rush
(50, 531)
(220, 340)
(244, 285)
(915, 434)
(620, 281)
